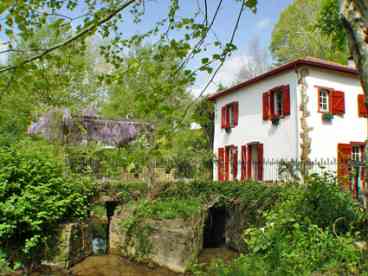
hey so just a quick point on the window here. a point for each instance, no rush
(324, 100)
(230, 111)
(356, 153)
(230, 115)
(227, 165)
(362, 108)
(276, 102)
(331, 101)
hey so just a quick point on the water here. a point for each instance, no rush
(99, 246)
(110, 265)
(113, 265)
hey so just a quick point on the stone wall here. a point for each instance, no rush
(72, 243)
(235, 226)
(173, 244)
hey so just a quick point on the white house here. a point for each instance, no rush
(275, 115)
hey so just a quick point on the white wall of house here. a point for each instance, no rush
(343, 129)
(279, 141)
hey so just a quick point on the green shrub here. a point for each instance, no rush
(288, 248)
(309, 231)
(324, 204)
(311, 228)
(36, 194)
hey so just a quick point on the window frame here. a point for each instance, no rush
(360, 146)
(328, 97)
(230, 112)
(275, 92)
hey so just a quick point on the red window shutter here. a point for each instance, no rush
(235, 161)
(220, 164)
(249, 162)
(223, 117)
(227, 116)
(266, 105)
(243, 162)
(286, 100)
(337, 102)
(260, 162)
(343, 158)
(227, 163)
(236, 113)
(362, 108)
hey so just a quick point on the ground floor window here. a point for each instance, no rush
(350, 167)
(252, 162)
(227, 163)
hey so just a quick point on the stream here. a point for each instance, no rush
(113, 265)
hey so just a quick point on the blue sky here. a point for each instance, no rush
(252, 25)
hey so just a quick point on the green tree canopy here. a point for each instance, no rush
(298, 33)
(67, 78)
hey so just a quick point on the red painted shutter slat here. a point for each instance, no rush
(220, 164)
(249, 162)
(227, 116)
(362, 108)
(236, 113)
(260, 161)
(343, 157)
(235, 161)
(337, 102)
(243, 162)
(266, 105)
(227, 164)
(223, 117)
(286, 100)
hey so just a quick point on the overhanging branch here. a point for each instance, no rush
(80, 34)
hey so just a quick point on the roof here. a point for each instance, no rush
(310, 61)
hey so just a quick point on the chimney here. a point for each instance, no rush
(351, 62)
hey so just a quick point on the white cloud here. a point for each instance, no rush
(264, 23)
(228, 73)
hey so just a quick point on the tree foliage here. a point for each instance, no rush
(149, 86)
(299, 33)
(67, 78)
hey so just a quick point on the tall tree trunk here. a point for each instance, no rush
(354, 15)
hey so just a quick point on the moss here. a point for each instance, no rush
(98, 211)
(137, 235)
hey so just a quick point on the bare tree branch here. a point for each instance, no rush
(200, 42)
(80, 34)
(219, 66)
(206, 12)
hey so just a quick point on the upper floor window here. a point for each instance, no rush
(323, 100)
(362, 108)
(230, 115)
(331, 101)
(276, 102)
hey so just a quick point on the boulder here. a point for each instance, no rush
(172, 243)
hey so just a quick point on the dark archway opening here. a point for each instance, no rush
(214, 229)
(110, 208)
